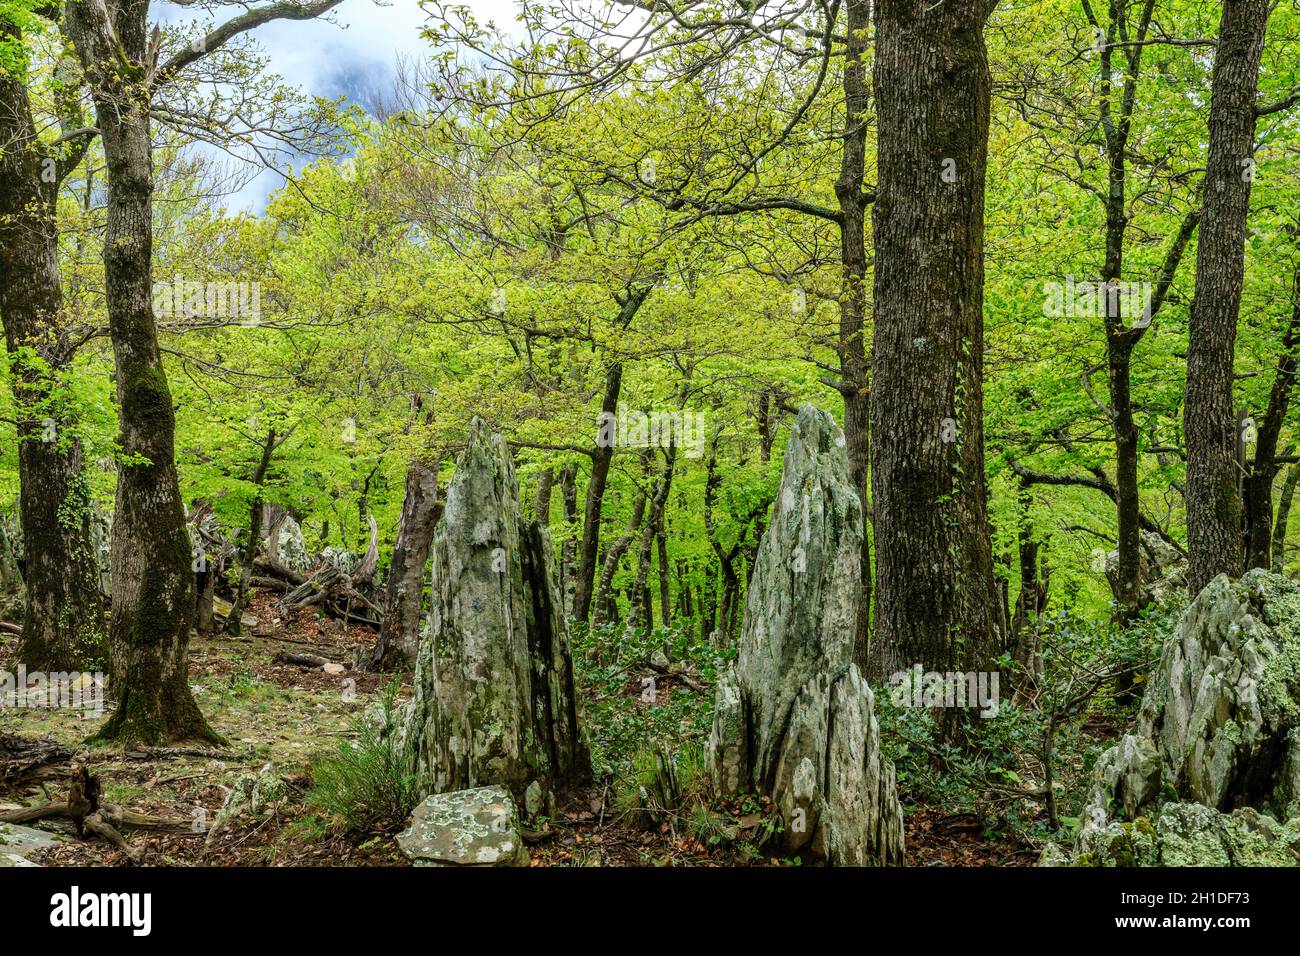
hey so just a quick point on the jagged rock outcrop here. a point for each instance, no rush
(291, 547)
(1186, 834)
(1218, 733)
(251, 796)
(793, 718)
(341, 558)
(494, 700)
(1161, 569)
(478, 827)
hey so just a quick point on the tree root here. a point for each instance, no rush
(106, 820)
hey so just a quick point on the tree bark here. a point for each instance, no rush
(152, 577)
(1283, 516)
(605, 599)
(853, 202)
(568, 570)
(63, 623)
(399, 638)
(936, 600)
(255, 514)
(542, 501)
(1214, 526)
(1258, 485)
(601, 456)
(652, 532)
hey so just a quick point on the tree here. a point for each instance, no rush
(1214, 439)
(63, 624)
(153, 579)
(936, 602)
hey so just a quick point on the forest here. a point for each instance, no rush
(664, 433)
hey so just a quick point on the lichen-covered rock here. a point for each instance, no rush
(1218, 733)
(343, 559)
(494, 700)
(794, 719)
(18, 842)
(292, 547)
(1055, 855)
(478, 827)
(1161, 569)
(1222, 710)
(251, 796)
(1186, 834)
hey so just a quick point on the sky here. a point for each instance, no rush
(352, 56)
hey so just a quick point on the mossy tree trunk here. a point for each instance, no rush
(936, 599)
(1214, 441)
(63, 623)
(153, 585)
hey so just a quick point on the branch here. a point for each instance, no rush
(240, 24)
(1282, 104)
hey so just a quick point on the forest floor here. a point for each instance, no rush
(285, 716)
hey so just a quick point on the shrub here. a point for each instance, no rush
(366, 785)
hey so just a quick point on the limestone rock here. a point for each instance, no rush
(1186, 834)
(292, 546)
(1161, 569)
(250, 796)
(794, 718)
(343, 559)
(494, 700)
(18, 842)
(1222, 710)
(1218, 732)
(478, 827)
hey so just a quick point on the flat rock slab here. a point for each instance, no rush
(478, 827)
(16, 842)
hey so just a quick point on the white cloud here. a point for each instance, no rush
(352, 54)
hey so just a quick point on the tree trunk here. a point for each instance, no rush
(569, 550)
(1283, 515)
(853, 202)
(1128, 505)
(936, 600)
(1258, 484)
(255, 513)
(542, 502)
(665, 600)
(63, 624)
(152, 576)
(650, 533)
(1214, 510)
(1031, 602)
(601, 456)
(399, 638)
(605, 599)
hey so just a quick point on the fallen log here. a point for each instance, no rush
(7, 628)
(20, 757)
(313, 661)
